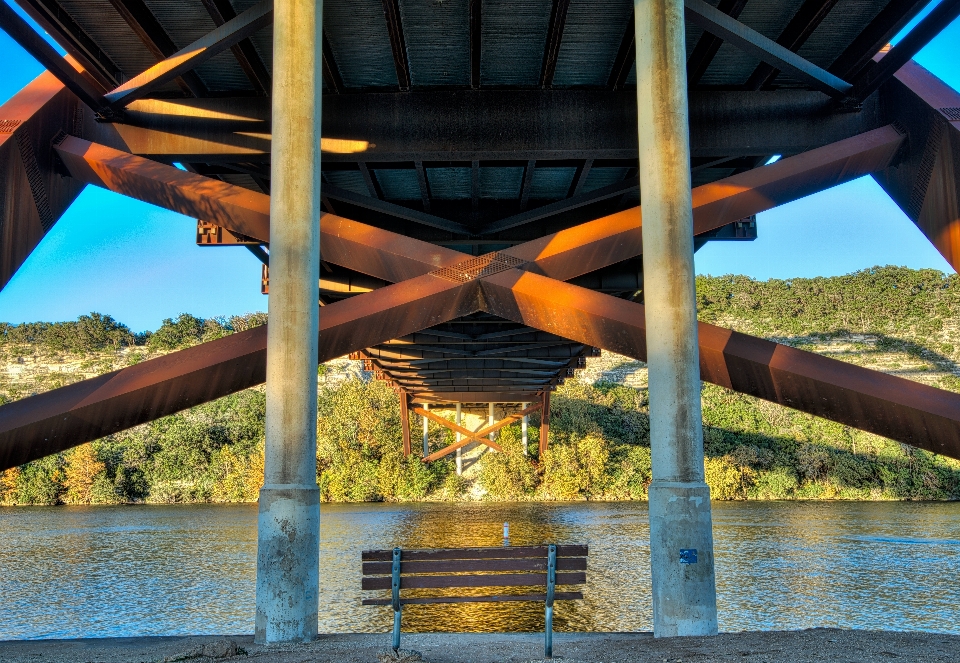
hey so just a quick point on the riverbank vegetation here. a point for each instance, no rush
(892, 319)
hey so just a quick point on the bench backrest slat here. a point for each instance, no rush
(559, 596)
(470, 565)
(504, 552)
(485, 580)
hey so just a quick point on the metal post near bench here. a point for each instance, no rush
(395, 586)
(551, 585)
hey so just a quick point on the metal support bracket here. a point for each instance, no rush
(551, 586)
(395, 586)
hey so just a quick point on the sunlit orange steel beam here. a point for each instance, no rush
(467, 436)
(872, 401)
(33, 194)
(381, 253)
(596, 244)
(232, 207)
(343, 242)
(926, 184)
(232, 32)
(784, 375)
(57, 420)
(446, 451)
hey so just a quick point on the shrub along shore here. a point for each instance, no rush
(889, 318)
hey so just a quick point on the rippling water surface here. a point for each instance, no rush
(151, 570)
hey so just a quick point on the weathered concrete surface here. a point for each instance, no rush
(681, 535)
(811, 646)
(288, 544)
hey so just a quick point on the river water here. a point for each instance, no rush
(160, 570)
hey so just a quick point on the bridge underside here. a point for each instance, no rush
(480, 242)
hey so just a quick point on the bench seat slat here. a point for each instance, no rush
(470, 565)
(504, 552)
(558, 596)
(487, 580)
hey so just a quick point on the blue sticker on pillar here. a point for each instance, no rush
(688, 555)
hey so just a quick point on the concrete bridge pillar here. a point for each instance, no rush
(681, 535)
(288, 542)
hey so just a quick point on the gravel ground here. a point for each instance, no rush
(815, 645)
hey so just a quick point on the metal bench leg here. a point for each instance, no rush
(396, 630)
(551, 584)
(395, 586)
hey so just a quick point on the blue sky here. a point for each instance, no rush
(140, 264)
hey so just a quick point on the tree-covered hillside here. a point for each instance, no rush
(893, 319)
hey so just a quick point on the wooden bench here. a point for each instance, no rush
(536, 569)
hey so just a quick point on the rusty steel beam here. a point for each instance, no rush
(63, 418)
(246, 54)
(33, 195)
(881, 70)
(21, 32)
(466, 436)
(381, 253)
(596, 244)
(145, 25)
(447, 397)
(708, 44)
(232, 207)
(386, 313)
(57, 420)
(190, 57)
(520, 125)
(363, 248)
(926, 183)
(803, 24)
(437, 455)
(570, 312)
(375, 203)
(879, 403)
(187, 130)
(890, 20)
(53, 19)
(766, 50)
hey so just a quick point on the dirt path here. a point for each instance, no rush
(817, 645)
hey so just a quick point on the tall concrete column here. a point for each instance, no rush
(681, 533)
(288, 541)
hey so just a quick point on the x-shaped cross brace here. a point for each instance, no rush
(525, 284)
(467, 435)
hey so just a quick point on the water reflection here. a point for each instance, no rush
(150, 570)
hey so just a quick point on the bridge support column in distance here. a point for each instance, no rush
(681, 533)
(460, 450)
(405, 421)
(523, 428)
(544, 423)
(426, 432)
(288, 536)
